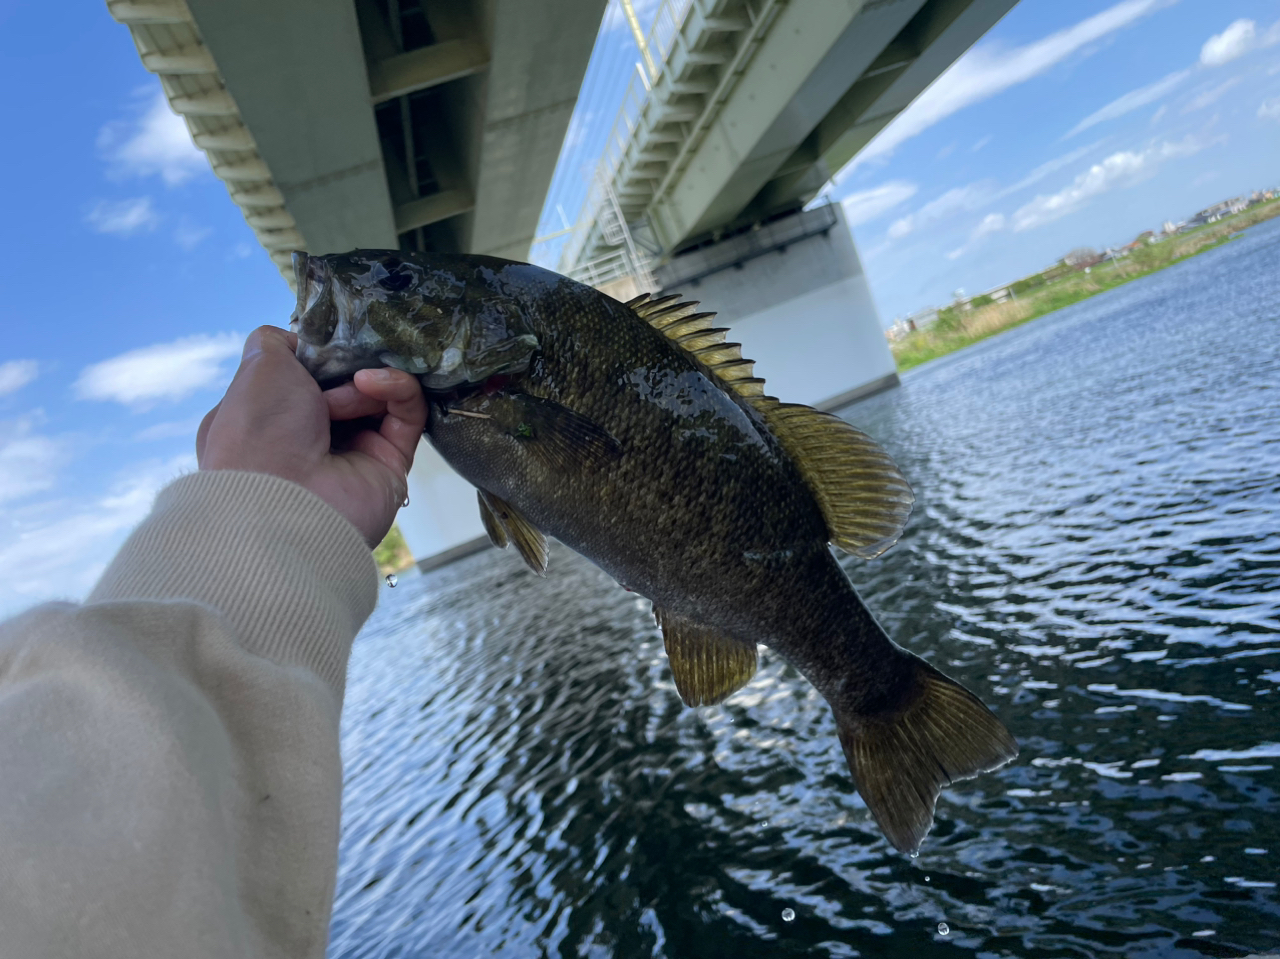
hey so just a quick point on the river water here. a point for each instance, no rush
(1095, 551)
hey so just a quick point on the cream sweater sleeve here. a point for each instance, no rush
(169, 769)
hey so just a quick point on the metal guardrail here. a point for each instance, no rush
(659, 43)
(747, 245)
(626, 259)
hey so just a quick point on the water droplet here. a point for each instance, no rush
(926, 878)
(943, 929)
(392, 579)
(788, 915)
(405, 503)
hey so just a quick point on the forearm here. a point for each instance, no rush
(171, 778)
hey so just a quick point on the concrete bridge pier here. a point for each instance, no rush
(793, 293)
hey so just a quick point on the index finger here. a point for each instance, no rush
(269, 339)
(406, 408)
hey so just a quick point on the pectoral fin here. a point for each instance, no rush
(708, 666)
(505, 524)
(556, 434)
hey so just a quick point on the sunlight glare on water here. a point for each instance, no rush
(1094, 551)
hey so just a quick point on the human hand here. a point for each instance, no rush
(275, 419)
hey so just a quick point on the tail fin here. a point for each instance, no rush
(902, 759)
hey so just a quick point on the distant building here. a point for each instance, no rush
(1081, 257)
(1141, 240)
(922, 318)
(909, 324)
(1212, 214)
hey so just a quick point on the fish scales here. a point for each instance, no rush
(653, 454)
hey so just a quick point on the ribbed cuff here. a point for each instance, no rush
(294, 579)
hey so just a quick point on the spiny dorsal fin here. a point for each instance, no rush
(645, 306)
(527, 538)
(707, 665)
(863, 496)
(694, 334)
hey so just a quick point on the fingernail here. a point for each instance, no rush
(382, 374)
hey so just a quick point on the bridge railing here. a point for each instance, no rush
(660, 41)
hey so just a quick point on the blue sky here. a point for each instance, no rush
(130, 278)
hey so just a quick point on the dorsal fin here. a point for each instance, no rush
(863, 496)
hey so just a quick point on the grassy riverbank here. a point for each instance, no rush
(956, 329)
(392, 554)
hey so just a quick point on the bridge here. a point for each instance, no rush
(742, 110)
(436, 125)
(375, 123)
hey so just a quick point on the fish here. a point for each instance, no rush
(637, 435)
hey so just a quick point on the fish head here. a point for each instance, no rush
(442, 318)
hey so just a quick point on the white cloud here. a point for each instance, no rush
(1121, 169)
(16, 374)
(1210, 96)
(579, 123)
(123, 217)
(189, 236)
(1269, 109)
(59, 548)
(166, 371)
(28, 462)
(1235, 41)
(171, 429)
(956, 200)
(866, 205)
(991, 223)
(1050, 166)
(1131, 101)
(988, 69)
(155, 143)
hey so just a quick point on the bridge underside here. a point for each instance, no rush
(757, 104)
(421, 124)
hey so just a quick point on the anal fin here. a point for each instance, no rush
(506, 524)
(708, 665)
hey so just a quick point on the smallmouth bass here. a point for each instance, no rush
(638, 437)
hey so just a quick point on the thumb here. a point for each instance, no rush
(202, 434)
